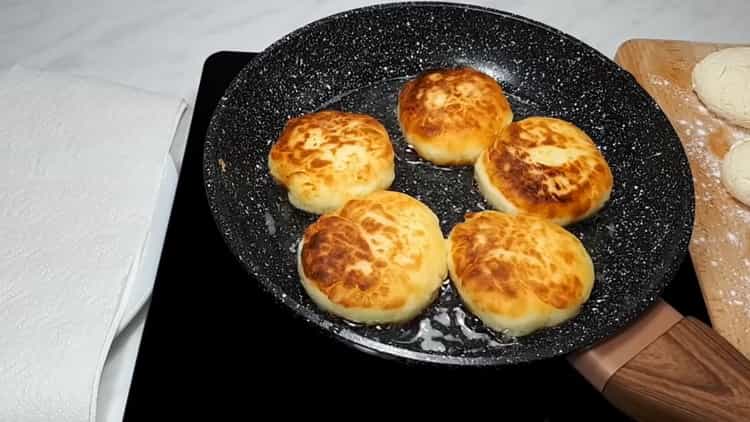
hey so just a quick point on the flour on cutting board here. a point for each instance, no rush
(737, 298)
(708, 139)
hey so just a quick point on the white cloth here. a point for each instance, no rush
(80, 168)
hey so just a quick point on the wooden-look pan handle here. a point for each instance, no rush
(666, 367)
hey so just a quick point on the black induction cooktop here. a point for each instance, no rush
(216, 345)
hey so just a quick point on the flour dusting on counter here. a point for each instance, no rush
(706, 139)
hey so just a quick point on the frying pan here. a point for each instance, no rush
(357, 61)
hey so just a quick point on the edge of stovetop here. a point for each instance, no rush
(165, 323)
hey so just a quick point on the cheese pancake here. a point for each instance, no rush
(324, 159)
(450, 116)
(545, 167)
(379, 259)
(518, 273)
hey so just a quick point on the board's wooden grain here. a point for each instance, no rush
(720, 246)
(688, 374)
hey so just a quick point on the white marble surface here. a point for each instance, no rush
(161, 46)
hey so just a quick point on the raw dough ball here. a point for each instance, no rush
(722, 82)
(735, 171)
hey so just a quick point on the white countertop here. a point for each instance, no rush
(161, 46)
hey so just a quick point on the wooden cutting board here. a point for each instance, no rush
(720, 246)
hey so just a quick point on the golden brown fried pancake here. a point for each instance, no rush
(379, 259)
(326, 158)
(450, 116)
(518, 273)
(544, 167)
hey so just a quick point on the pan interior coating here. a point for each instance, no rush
(636, 242)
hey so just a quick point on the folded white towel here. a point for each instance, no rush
(80, 167)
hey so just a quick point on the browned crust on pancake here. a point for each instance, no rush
(337, 129)
(331, 245)
(447, 107)
(571, 190)
(499, 263)
(352, 272)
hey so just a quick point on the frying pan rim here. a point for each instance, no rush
(349, 337)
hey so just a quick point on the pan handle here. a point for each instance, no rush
(686, 372)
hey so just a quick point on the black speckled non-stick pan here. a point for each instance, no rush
(357, 61)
